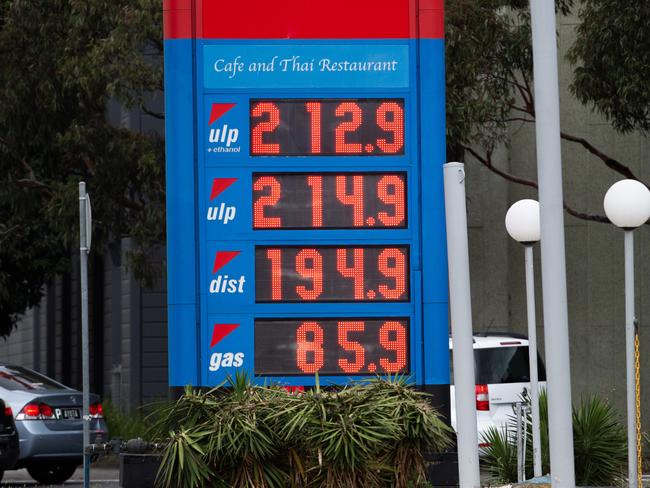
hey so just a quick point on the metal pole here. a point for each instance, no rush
(532, 360)
(549, 172)
(521, 470)
(460, 306)
(629, 359)
(83, 257)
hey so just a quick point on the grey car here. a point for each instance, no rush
(48, 417)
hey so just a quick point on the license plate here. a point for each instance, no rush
(67, 413)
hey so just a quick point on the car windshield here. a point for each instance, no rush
(502, 365)
(19, 378)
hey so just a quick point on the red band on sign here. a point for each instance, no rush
(177, 24)
(177, 4)
(305, 19)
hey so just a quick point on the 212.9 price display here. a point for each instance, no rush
(327, 127)
(354, 346)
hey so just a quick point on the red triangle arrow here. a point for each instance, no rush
(220, 331)
(219, 185)
(222, 258)
(218, 109)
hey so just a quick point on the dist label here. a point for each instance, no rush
(224, 283)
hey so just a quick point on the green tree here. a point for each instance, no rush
(62, 62)
(612, 61)
(490, 76)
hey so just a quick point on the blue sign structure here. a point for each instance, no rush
(305, 144)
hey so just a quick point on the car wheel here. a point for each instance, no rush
(51, 473)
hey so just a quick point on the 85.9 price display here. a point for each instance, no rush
(331, 346)
(331, 274)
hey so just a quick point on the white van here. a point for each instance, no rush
(502, 377)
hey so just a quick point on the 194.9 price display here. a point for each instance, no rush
(327, 127)
(331, 346)
(331, 274)
(329, 200)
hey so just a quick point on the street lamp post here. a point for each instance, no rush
(522, 223)
(627, 205)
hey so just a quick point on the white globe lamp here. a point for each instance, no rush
(522, 221)
(627, 204)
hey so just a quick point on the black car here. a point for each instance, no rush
(8, 439)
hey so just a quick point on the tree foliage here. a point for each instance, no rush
(62, 62)
(490, 77)
(612, 61)
(489, 70)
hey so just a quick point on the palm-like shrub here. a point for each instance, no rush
(500, 457)
(599, 445)
(372, 434)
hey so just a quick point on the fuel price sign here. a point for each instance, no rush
(305, 143)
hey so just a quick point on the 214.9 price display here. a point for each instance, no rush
(331, 346)
(331, 274)
(329, 201)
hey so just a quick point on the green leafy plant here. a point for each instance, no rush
(500, 456)
(369, 434)
(600, 443)
(599, 440)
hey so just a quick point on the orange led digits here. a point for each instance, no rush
(352, 346)
(258, 146)
(309, 339)
(326, 273)
(313, 108)
(351, 125)
(344, 330)
(392, 264)
(327, 127)
(392, 337)
(260, 221)
(275, 256)
(355, 199)
(395, 125)
(309, 264)
(356, 272)
(316, 185)
(395, 197)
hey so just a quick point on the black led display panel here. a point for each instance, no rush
(327, 127)
(332, 273)
(329, 201)
(354, 346)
